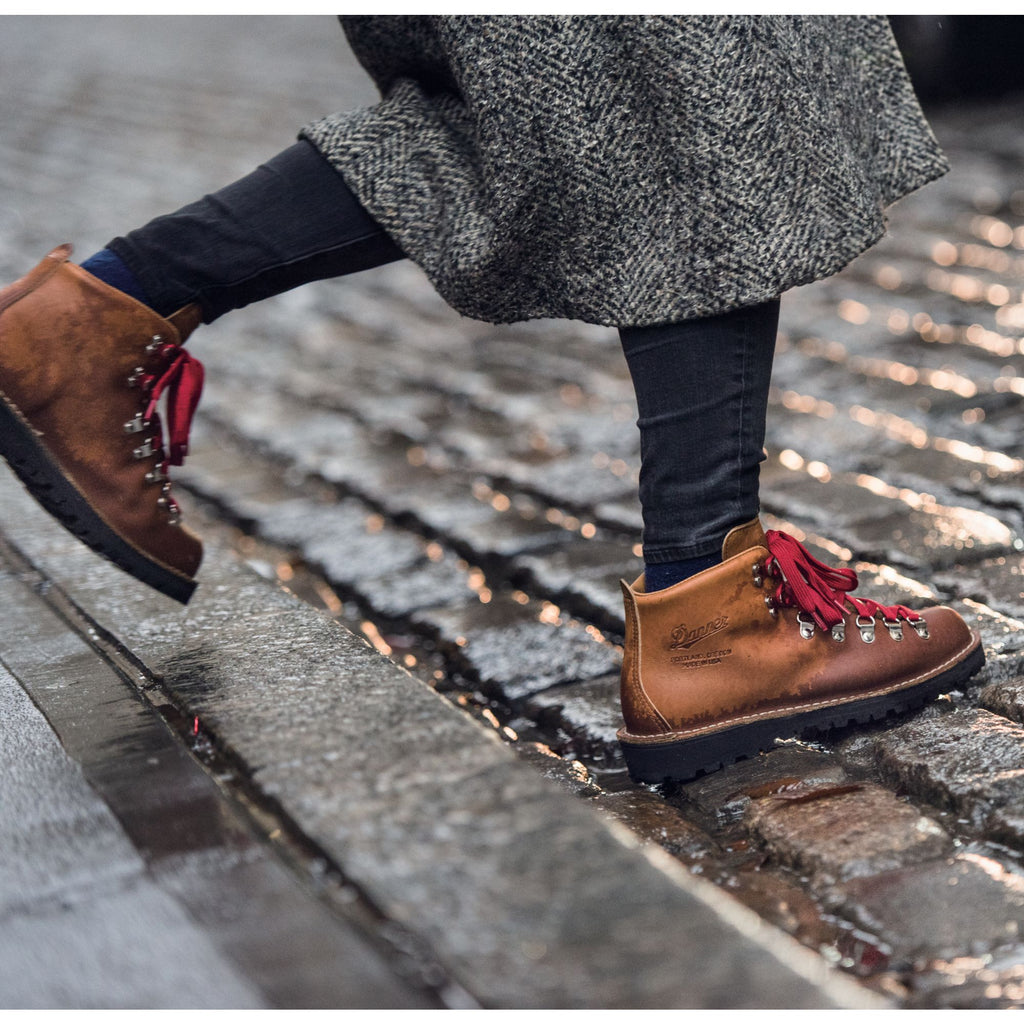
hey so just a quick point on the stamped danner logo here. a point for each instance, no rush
(683, 638)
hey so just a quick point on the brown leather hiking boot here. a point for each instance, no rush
(82, 367)
(769, 645)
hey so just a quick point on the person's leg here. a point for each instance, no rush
(87, 353)
(735, 636)
(291, 221)
(702, 395)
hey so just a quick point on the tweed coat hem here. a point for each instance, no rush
(629, 170)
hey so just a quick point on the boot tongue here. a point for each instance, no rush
(186, 320)
(742, 538)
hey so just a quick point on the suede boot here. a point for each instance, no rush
(82, 368)
(770, 645)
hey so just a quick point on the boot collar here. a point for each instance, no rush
(743, 538)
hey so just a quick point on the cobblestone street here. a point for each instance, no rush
(464, 495)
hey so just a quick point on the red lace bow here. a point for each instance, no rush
(818, 589)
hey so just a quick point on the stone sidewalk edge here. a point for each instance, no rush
(528, 897)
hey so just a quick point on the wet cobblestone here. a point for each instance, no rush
(655, 822)
(938, 910)
(969, 761)
(846, 830)
(512, 652)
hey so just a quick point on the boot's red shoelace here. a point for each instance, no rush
(183, 381)
(818, 589)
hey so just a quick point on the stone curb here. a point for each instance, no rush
(527, 897)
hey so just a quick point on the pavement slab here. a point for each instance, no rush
(128, 880)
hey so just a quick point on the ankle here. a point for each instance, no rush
(112, 270)
(661, 575)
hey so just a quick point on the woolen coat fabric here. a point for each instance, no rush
(628, 170)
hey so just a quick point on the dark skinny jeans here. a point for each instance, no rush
(701, 385)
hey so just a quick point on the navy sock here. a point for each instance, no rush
(110, 269)
(660, 575)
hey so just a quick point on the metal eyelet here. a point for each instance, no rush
(839, 631)
(135, 380)
(156, 476)
(867, 628)
(155, 343)
(770, 605)
(145, 450)
(169, 505)
(895, 628)
(136, 424)
(758, 572)
(806, 626)
(921, 628)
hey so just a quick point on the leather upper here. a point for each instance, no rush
(68, 345)
(708, 652)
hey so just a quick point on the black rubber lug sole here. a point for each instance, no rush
(44, 480)
(687, 759)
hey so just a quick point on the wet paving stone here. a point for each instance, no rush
(623, 515)
(959, 906)
(970, 762)
(929, 538)
(451, 509)
(572, 482)
(512, 653)
(993, 981)
(725, 797)
(997, 582)
(784, 902)
(310, 441)
(1005, 699)
(838, 831)
(379, 401)
(648, 816)
(1003, 640)
(585, 713)
(494, 534)
(880, 526)
(440, 583)
(585, 575)
(344, 540)
(831, 505)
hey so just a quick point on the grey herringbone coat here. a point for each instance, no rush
(629, 170)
